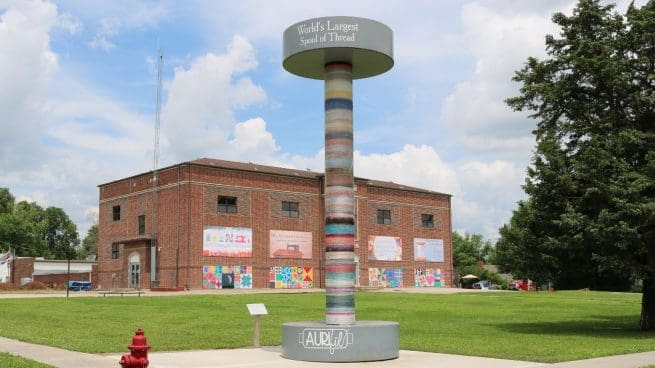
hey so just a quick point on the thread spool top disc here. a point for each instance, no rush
(364, 43)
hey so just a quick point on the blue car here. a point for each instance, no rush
(79, 285)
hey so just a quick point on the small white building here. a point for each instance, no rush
(4, 272)
(55, 266)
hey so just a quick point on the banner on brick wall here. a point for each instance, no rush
(290, 244)
(385, 248)
(221, 241)
(429, 250)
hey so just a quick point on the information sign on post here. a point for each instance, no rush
(256, 310)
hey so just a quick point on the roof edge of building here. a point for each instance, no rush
(274, 170)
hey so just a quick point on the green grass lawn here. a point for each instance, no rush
(545, 327)
(11, 361)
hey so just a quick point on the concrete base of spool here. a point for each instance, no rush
(363, 341)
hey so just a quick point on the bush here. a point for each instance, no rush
(34, 285)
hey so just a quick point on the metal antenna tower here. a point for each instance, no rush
(155, 179)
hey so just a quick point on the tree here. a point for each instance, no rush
(60, 234)
(90, 242)
(36, 232)
(22, 229)
(590, 214)
(468, 250)
(6, 201)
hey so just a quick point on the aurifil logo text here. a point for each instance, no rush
(326, 338)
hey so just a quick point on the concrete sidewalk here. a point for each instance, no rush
(54, 356)
(269, 357)
(637, 360)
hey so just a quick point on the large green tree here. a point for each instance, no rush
(22, 229)
(60, 234)
(468, 250)
(33, 231)
(589, 219)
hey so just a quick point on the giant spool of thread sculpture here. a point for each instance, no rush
(339, 50)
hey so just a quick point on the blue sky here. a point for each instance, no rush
(78, 93)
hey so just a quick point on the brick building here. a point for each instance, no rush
(50, 272)
(223, 224)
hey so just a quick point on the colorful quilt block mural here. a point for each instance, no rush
(291, 277)
(428, 277)
(385, 277)
(227, 277)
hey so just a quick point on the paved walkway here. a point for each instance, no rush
(54, 356)
(269, 357)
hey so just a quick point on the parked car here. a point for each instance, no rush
(79, 285)
(518, 285)
(482, 285)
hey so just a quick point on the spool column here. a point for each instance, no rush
(339, 196)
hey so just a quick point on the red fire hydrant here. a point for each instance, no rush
(138, 357)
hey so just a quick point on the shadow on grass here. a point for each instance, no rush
(610, 327)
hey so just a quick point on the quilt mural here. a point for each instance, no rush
(291, 277)
(385, 277)
(427, 277)
(227, 277)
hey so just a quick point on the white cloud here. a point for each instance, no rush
(489, 193)
(252, 140)
(494, 177)
(37, 196)
(27, 65)
(108, 29)
(101, 42)
(56, 150)
(500, 38)
(88, 122)
(199, 116)
(70, 23)
(415, 166)
(119, 16)
(92, 214)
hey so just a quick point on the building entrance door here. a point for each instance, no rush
(134, 268)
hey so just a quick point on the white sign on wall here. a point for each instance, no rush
(221, 241)
(429, 250)
(385, 248)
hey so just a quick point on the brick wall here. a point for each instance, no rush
(406, 208)
(187, 202)
(62, 278)
(23, 267)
